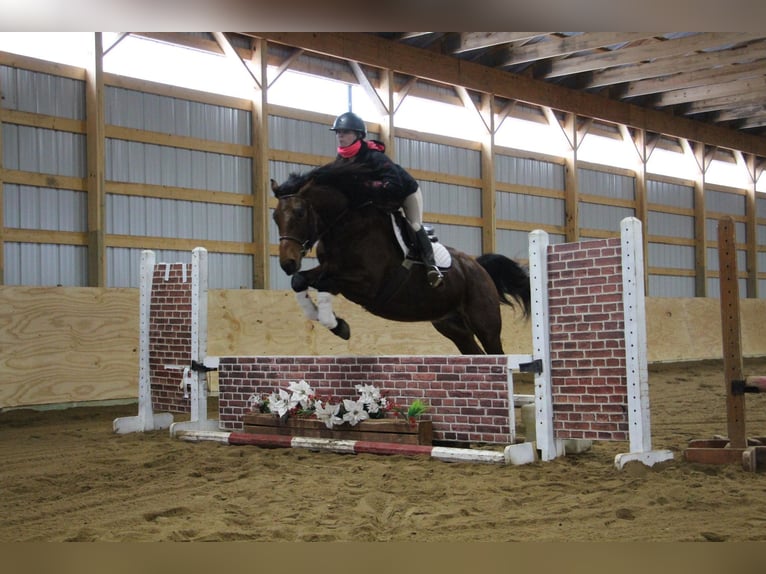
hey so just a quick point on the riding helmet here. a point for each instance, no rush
(350, 121)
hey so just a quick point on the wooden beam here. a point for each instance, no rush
(260, 169)
(183, 142)
(96, 160)
(713, 90)
(182, 39)
(747, 112)
(285, 65)
(693, 79)
(748, 164)
(468, 41)
(387, 129)
(668, 66)
(369, 89)
(697, 151)
(2, 201)
(369, 49)
(571, 186)
(554, 47)
(725, 102)
(120, 37)
(43, 121)
(658, 49)
(486, 111)
(233, 54)
(43, 66)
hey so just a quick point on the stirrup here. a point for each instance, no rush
(435, 277)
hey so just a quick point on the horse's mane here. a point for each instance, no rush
(343, 176)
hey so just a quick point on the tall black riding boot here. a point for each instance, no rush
(427, 254)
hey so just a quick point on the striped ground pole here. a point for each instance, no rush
(522, 453)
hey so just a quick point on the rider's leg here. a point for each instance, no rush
(413, 211)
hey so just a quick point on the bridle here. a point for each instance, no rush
(308, 242)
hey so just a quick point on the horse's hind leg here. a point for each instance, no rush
(455, 329)
(488, 331)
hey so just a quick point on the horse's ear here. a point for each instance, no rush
(274, 186)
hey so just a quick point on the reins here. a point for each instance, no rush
(308, 242)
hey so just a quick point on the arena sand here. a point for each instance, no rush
(67, 477)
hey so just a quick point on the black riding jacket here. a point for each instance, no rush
(391, 182)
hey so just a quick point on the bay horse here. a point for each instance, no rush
(361, 258)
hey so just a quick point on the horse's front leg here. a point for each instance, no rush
(327, 317)
(322, 311)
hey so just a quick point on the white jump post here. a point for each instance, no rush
(634, 308)
(192, 376)
(146, 420)
(636, 375)
(549, 447)
(195, 377)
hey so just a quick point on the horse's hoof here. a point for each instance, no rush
(299, 282)
(342, 329)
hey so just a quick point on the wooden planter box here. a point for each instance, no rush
(374, 430)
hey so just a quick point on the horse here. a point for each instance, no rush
(361, 258)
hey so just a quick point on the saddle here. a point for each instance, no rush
(408, 244)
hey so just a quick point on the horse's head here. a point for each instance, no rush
(310, 205)
(296, 221)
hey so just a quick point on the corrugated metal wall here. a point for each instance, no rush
(446, 199)
(524, 205)
(721, 203)
(147, 163)
(50, 152)
(606, 185)
(677, 226)
(306, 137)
(530, 191)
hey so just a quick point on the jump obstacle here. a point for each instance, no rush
(737, 446)
(589, 362)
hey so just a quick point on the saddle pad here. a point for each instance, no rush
(442, 257)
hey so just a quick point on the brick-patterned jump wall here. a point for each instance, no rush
(588, 359)
(170, 335)
(467, 395)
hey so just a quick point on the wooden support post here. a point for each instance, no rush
(730, 329)
(736, 447)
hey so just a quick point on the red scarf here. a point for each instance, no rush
(350, 150)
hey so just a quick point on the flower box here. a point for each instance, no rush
(375, 430)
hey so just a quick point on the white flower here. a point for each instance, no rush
(368, 393)
(303, 394)
(370, 396)
(354, 411)
(280, 403)
(328, 414)
(254, 402)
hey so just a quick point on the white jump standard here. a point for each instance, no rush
(589, 360)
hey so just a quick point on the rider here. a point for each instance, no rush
(396, 184)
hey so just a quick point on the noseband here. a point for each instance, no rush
(308, 242)
(305, 245)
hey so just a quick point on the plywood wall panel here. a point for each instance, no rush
(72, 345)
(62, 344)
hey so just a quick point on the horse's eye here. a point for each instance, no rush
(299, 211)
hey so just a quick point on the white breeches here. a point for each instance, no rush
(413, 209)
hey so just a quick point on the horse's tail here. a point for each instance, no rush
(510, 279)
